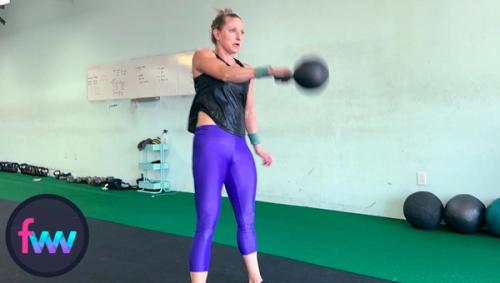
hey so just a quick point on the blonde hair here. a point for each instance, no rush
(220, 20)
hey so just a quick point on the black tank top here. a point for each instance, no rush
(223, 101)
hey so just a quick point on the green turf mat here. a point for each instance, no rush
(375, 246)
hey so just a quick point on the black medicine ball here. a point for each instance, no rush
(423, 210)
(464, 213)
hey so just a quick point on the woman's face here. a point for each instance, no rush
(230, 37)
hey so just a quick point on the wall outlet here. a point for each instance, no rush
(422, 178)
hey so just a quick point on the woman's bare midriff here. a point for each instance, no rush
(204, 119)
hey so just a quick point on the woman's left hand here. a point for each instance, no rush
(266, 157)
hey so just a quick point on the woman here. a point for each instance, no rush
(222, 110)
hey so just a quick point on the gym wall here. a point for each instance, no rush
(413, 87)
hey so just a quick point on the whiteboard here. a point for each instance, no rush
(154, 76)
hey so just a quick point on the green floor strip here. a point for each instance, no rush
(374, 246)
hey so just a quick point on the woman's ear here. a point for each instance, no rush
(216, 34)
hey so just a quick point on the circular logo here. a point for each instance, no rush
(47, 235)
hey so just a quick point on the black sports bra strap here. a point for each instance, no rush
(218, 57)
(239, 63)
(236, 60)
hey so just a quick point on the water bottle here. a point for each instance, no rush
(163, 138)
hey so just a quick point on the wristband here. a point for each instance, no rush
(261, 72)
(254, 138)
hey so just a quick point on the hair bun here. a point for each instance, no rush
(224, 12)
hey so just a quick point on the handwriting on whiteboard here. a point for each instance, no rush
(161, 75)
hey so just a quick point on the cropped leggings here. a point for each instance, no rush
(221, 158)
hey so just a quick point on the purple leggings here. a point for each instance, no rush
(221, 158)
